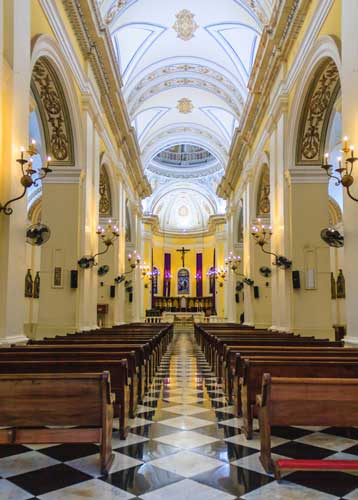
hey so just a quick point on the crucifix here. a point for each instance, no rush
(183, 251)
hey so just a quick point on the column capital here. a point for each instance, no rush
(306, 174)
(65, 175)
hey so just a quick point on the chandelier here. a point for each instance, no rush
(28, 178)
(262, 235)
(344, 171)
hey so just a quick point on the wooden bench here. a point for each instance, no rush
(305, 401)
(26, 354)
(289, 368)
(29, 402)
(117, 370)
(232, 375)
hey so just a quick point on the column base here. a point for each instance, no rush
(15, 339)
(351, 341)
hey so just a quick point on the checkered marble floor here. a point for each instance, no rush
(185, 443)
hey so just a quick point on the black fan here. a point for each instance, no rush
(38, 234)
(265, 271)
(103, 270)
(239, 286)
(332, 237)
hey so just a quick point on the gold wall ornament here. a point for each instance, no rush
(105, 196)
(316, 114)
(53, 109)
(185, 26)
(263, 198)
(185, 106)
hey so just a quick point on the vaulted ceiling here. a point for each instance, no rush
(185, 67)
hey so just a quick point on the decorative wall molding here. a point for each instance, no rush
(105, 195)
(316, 114)
(54, 113)
(306, 174)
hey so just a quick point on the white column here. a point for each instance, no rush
(280, 221)
(349, 81)
(230, 312)
(247, 267)
(119, 303)
(15, 20)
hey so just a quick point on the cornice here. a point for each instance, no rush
(94, 40)
(65, 175)
(275, 44)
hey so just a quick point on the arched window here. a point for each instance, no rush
(183, 282)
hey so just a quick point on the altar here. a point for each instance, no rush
(194, 317)
(184, 305)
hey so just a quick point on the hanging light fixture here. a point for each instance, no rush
(27, 180)
(262, 235)
(232, 262)
(108, 236)
(344, 171)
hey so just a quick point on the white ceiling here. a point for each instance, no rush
(201, 51)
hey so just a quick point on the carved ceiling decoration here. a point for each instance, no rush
(185, 106)
(186, 68)
(185, 26)
(105, 196)
(54, 113)
(316, 114)
(186, 82)
(263, 194)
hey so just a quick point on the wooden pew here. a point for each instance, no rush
(232, 373)
(305, 401)
(289, 368)
(26, 354)
(29, 402)
(117, 370)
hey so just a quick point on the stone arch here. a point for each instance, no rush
(318, 83)
(54, 91)
(335, 212)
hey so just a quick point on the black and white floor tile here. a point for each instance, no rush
(185, 442)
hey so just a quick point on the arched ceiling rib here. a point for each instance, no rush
(185, 67)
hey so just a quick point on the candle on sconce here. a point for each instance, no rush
(345, 142)
(352, 151)
(326, 156)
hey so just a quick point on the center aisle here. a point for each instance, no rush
(185, 438)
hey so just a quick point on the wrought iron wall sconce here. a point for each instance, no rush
(108, 235)
(27, 179)
(262, 235)
(148, 274)
(218, 273)
(344, 175)
(134, 262)
(232, 262)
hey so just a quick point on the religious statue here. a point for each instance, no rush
(37, 286)
(183, 304)
(28, 284)
(341, 285)
(333, 287)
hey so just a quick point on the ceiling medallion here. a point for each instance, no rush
(185, 106)
(185, 26)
